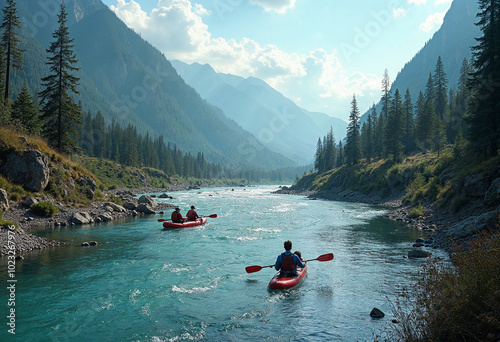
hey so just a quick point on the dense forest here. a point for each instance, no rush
(438, 117)
(55, 114)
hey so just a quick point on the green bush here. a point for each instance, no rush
(44, 208)
(457, 303)
(418, 211)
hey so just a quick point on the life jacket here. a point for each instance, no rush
(176, 217)
(287, 263)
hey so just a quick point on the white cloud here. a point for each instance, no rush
(417, 2)
(131, 14)
(398, 13)
(278, 6)
(176, 28)
(432, 21)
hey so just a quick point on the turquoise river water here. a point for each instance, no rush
(143, 283)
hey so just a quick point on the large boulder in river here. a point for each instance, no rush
(145, 199)
(377, 313)
(29, 169)
(81, 218)
(145, 208)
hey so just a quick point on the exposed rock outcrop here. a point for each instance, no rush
(30, 169)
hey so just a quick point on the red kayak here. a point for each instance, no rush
(185, 224)
(282, 283)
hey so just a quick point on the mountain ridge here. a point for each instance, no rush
(130, 81)
(273, 118)
(452, 42)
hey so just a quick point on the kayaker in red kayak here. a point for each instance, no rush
(177, 216)
(192, 215)
(287, 262)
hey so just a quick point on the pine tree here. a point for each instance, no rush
(386, 96)
(10, 42)
(440, 82)
(484, 111)
(318, 156)
(330, 151)
(59, 111)
(430, 91)
(378, 137)
(340, 154)
(25, 112)
(353, 143)
(425, 119)
(368, 131)
(409, 140)
(438, 134)
(457, 113)
(395, 129)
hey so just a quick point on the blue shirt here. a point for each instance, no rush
(296, 261)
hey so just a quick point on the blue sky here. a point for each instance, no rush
(319, 53)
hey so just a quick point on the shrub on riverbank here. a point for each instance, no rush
(460, 303)
(44, 208)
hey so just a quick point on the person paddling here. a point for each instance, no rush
(287, 262)
(192, 215)
(177, 216)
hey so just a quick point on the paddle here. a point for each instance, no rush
(324, 257)
(163, 220)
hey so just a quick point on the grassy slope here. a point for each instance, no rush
(429, 178)
(65, 171)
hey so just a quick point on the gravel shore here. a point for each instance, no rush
(101, 211)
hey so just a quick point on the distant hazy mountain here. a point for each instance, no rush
(275, 120)
(453, 42)
(129, 80)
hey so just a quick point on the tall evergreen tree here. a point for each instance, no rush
(368, 148)
(353, 139)
(340, 154)
(378, 136)
(10, 43)
(60, 112)
(318, 156)
(458, 110)
(484, 112)
(440, 82)
(430, 91)
(25, 112)
(409, 140)
(425, 122)
(330, 151)
(386, 96)
(395, 129)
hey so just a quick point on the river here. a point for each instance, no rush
(144, 283)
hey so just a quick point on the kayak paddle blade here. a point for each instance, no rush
(252, 269)
(325, 257)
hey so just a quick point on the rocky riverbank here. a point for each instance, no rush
(99, 211)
